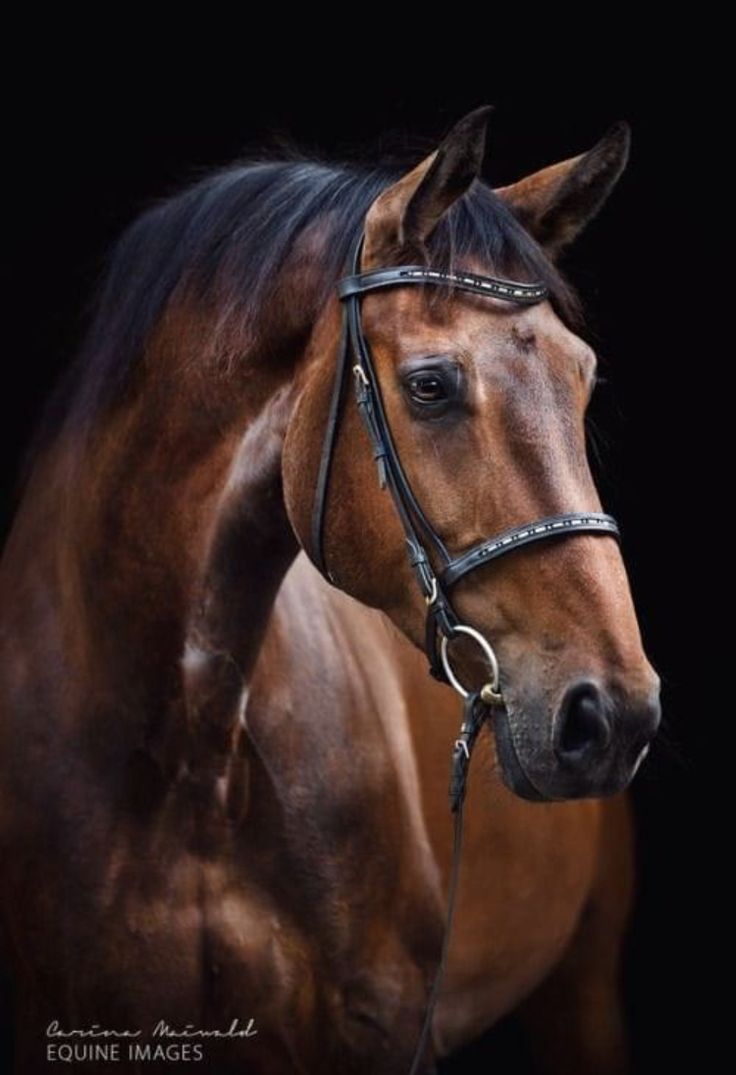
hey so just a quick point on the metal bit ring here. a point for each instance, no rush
(489, 692)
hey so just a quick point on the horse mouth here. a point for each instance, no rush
(553, 784)
(513, 772)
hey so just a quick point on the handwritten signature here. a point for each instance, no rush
(162, 1029)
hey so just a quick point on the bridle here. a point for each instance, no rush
(435, 569)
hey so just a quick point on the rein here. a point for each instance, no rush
(436, 570)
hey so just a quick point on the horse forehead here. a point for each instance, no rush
(403, 318)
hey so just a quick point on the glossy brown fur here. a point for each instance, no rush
(224, 783)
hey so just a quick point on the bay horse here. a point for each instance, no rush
(224, 781)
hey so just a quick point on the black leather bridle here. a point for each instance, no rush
(436, 570)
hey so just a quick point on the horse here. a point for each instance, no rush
(224, 813)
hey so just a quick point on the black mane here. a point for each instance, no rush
(229, 233)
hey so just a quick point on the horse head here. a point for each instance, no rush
(486, 403)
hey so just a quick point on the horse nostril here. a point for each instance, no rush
(584, 727)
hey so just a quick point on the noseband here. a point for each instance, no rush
(435, 569)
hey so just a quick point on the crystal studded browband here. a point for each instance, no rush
(465, 281)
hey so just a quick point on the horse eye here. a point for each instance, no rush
(427, 387)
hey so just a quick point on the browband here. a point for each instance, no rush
(511, 290)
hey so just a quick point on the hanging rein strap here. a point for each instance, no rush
(475, 711)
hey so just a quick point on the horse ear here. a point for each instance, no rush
(403, 217)
(556, 203)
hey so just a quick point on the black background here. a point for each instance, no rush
(86, 160)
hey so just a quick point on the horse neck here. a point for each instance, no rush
(171, 538)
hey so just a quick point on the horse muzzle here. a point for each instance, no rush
(592, 747)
